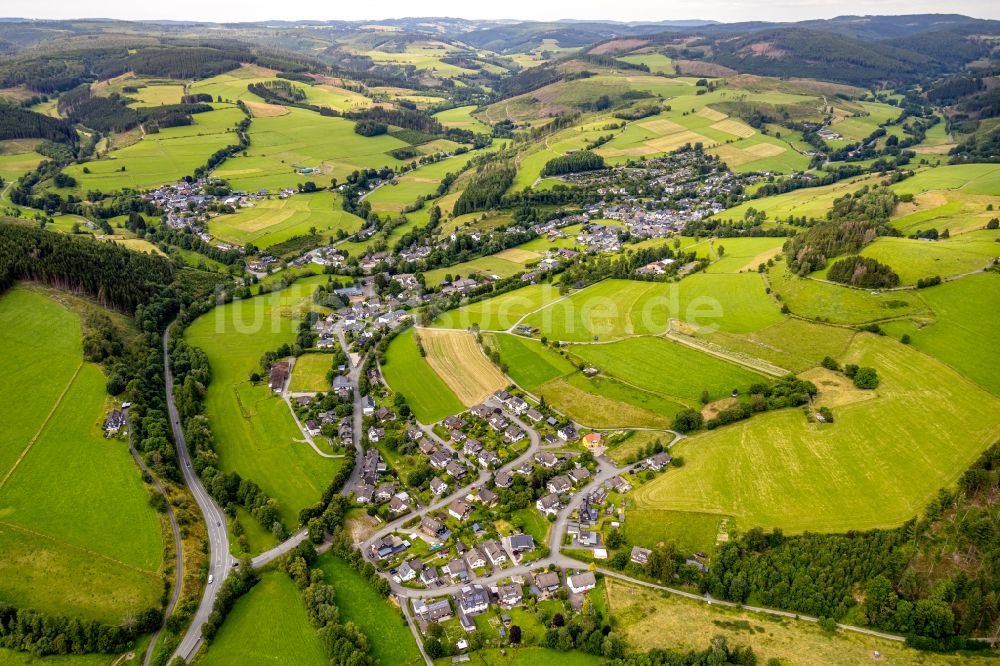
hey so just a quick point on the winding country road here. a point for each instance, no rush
(219, 560)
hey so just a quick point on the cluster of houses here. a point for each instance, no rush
(473, 599)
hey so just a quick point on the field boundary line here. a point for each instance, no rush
(756, 364)
(42, 427)
(82, 549)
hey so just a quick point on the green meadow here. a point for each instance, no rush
(388, 634)
(268, 625)
(461, 117)
(742, 254)
(491, 265)
(778, 470)
(501, 312)
(76, 527)
(280, 146)
(274, 220)
(824, 301)
(916, 259)
(530, 364)
(255, 434)
(794, 344)
(690, 531)
(605, 402)
(966, 320)
(309, 373)
(667, 368)
(232, 86)
(409, 374)
(420, 182)
(161, 158)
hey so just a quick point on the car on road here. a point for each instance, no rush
(211, 579)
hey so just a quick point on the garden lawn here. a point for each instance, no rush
(500, 312)
(275, 220)
(255, 434)
(409, 374)
(76, 528)
(268, 625)
(667, 368)
(883, 459)
(388, 634)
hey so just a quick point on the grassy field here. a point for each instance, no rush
(275, 220)
(462, 117)
(841, 305)
(743, 254)
(491, 265)
(456, 358)
(388, 635)
(667, 368)
(690, 531)
(501, 312)
(966, 323)
(653, 619)
(267, 626)
(528, 656)
(160, 158)
(793, 344)
(421, 182)
(408, 373)
(618, 308)
(255, 434)
(914, 259)
(77, 532)
(778, 470)
(279, 145)
(529, 364)
(309, 373)
(602, 402)
(232, 86)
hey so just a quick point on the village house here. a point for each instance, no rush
(475, 558)
(367, 405)
(640, 555)
(535, 415)
(559, 484)
(472, 447)
(439, 459)
(567, 433)
(432, 527)
(488, 497)
(581, 582)
(438, 487)
(518, 544)
(579, 474)
(494, 552)
(437, 610)
(618, 484)
(114, 422)
(384, 491)
(473, 599)
(459, 509)
(388, 545)
(456, 570)
(548, 504)
(429, 576)
(658, 461)
(410, 569)
(397, 506)
(509, 595)
(363, 493)
(547, 582)
(487, 459)
(503, 479)
(546, 459)
(592, 439)
(513, 434)
(456, 471)
(375, 434)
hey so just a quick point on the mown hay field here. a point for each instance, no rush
(456, 358)
(409, 373)
(501, 312)
(272, 221)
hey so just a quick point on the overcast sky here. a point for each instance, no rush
(631, 10)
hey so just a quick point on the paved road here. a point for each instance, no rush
(178, 547)
(219, 560)
(353, 375)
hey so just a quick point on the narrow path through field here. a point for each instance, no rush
(42, 427)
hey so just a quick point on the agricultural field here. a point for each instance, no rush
(232, 86)
(667, 368)
(282, 146)
(17, 157)
(965, 323)
(603, 402)
(268, 625)
(653, 619)
(794, 344)
(858, 127)
(409, 373)
(778, 470)
(456, 358)
(491, 265)
(461, 117)
(500, 312)
(383, 624)
(657, 62)
(164, 157)
(255, 434)
(615, 309)
(309, 373)
(833, 303)
(76, 527)
(743, 254)
(421, 182)
(529, 364)
(915, 259)
(274, 220)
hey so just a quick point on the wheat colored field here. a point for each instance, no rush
(457, 359)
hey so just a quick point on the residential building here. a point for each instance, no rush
(581, 582)
(640, 555)
(459, 509)
(473, 599)
(548, 504)
(509, 595)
